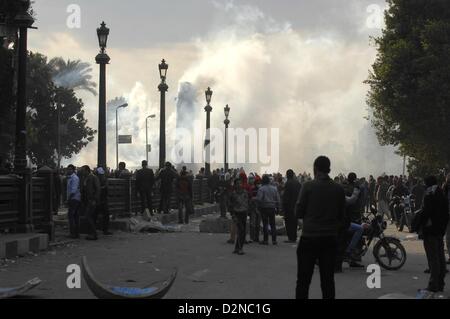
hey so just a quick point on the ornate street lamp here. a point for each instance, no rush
(102, 59)
(227, 123)
(23, 21)
(163, 87)
(16, 25)
(102, 34)
(208, 110)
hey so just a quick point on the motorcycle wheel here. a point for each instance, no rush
(388, 250)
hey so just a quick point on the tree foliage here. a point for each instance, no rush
(410, 81)
(72, 74)
(44, 99)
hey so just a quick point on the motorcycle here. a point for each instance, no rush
(388, 251)
(404, 208)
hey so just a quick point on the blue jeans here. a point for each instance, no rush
(357, 231)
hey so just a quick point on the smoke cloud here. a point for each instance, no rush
(272, 75)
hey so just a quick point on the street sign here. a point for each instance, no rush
(149, 148)
(125, 139)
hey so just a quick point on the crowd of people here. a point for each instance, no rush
(331, 211)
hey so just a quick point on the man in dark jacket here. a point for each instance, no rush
(91, 198)
(321, 205)
(145, 179)
(213, 184)
(184, 195)
(290, 197)
(239, 201)
(433, 224)
(166, 175)
(102, 207)
(418, 191)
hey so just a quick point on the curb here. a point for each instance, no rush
(12, 246)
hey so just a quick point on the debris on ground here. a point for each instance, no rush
(196, 277)
(139, 225)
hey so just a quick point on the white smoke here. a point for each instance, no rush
(274, 76)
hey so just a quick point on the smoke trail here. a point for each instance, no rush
(186, 113)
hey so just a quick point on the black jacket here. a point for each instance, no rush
(145, 179)
(91, 189)
(167, 176)
(321, 205)
(290, 195)
(435, 215)
(213, 182)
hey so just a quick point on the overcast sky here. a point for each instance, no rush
(150, 23)
(296, 65)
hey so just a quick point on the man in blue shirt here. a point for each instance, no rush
(74, 200)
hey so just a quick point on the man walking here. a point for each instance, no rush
(290, 197)
(268, 200)
(382, 198)
(167, 176)
(91, 198)
(73, 199)
(239, 201)
(184, 194)
(321, 205)
(213, 184)
(145, 179)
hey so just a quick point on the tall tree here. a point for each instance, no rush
(44, 100)
(72, 74)
(410, 82)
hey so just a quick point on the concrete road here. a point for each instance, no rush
(207, 268)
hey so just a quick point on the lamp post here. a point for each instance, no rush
(227, 123)
(146, 134)
(163, 87)
(23, 21)
(117, 133)
(208, 109)
(102, 59)
(13, 24)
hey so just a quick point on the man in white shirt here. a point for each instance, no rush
(74, 200)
